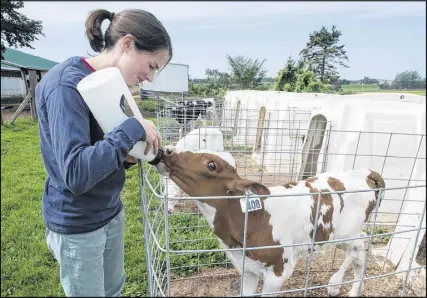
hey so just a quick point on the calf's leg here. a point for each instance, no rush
(338, 276)
(250, 284)
(358, 261)
(273, 283)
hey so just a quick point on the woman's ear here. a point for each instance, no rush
(127, 43)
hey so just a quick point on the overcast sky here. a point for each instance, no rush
(381, 38)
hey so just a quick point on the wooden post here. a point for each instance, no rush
(33, 82)
(20, 108)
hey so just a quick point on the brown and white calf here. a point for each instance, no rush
(281, 220)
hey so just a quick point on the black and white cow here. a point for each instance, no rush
(188, 111)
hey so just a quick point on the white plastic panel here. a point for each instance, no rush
(172, 78)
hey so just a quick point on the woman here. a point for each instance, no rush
(86, 169)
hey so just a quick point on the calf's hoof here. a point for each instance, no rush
(334, 291)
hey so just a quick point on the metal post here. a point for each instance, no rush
(165, 214)
(245, 231)
(307, 277)
(371, 235)
(146, 231)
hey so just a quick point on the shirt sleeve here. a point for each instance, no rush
(81, 164)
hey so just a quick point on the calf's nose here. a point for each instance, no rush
(168, 151)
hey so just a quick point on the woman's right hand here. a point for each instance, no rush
(152, 136)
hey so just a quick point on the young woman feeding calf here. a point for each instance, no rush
(284, 217)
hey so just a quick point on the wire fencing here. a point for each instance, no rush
(183, 253)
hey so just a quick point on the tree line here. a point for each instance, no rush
(314, 71)
(403, 80)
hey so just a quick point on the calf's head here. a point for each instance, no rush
(206, 173)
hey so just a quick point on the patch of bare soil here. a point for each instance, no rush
(186, 206)
(8, 113)
(226, 282)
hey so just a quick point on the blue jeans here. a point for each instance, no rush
(91, 264)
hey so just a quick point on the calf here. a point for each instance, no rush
(286, 219)
(210, 138)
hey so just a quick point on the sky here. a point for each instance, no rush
(381, 38)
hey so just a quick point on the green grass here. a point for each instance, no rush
(378, 237)
(27, 268)
(361, 88)
(416, 92)
(356, 88)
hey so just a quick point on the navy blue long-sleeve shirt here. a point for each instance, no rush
(85, 168)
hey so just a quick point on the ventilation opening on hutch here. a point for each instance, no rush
(192, 246)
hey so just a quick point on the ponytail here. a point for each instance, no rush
(148, 32)
(93, 28)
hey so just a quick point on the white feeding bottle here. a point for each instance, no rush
(102, 91)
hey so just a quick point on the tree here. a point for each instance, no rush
(369, 81)
(408, 80)
(16, 29)
(217, 79)
(323, 53)
(385, 86)
(298, 77)
(286, 78)
(246, 73)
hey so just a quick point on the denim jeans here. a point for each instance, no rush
(91, 264)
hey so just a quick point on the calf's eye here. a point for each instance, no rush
(211, 166)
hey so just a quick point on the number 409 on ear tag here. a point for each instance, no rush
(254, 204)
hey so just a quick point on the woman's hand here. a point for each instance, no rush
(152, 136)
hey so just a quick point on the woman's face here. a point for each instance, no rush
(137, 66)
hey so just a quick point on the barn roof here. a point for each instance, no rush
(17, 58)
(5, 66)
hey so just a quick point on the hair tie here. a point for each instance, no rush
(111, 16)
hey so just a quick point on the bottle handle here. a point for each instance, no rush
(132, 104)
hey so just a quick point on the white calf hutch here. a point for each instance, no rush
(279, 137)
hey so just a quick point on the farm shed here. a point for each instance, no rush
(15, 74)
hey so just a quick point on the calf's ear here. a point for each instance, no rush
(238, 187)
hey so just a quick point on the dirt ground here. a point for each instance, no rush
(226, 282)
(7, 113)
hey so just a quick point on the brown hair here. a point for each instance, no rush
(148, 32)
